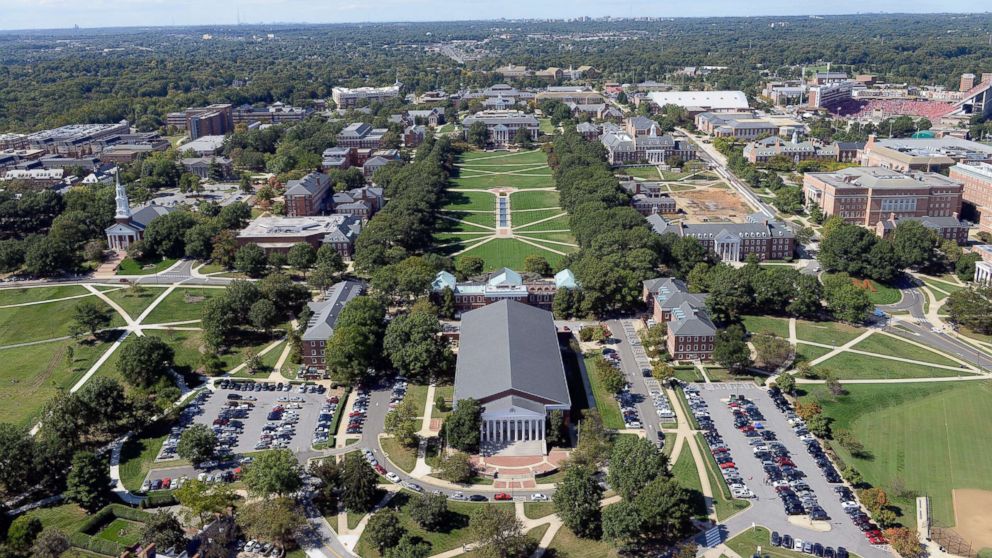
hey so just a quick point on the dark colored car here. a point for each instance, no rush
(787, 541)
(481, 498)
(776, 539)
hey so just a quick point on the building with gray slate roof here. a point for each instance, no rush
(510, 361)
(734, 242)
(691, 333)
(308, 195)
(320, 327)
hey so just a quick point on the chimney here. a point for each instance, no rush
(871, 140)
(986, 77)
(967, 82)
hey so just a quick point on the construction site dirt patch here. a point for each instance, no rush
(973, 516)
(709, 204)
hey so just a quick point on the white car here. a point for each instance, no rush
(145, 486)
(393, 477)
(458, 496)
(539, 497)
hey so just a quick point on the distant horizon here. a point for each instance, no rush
(57, 15)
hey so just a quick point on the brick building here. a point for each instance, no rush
(734, 242)
(691, 333)
(977, 195)
(866, 195)
(649, 198)
(320, 327)
(308, 195)
(279, 234)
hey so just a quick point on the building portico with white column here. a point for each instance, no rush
(509, 360)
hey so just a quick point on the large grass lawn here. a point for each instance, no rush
(606, 404)
(888, 345)
(32, 375)
(827, 333)
(485, 221)
(20, 295)
(883, 294)
(851, 366)
(474, 201)
(486, 159)
(38, 322)
(67, 517)
(767, 324)
(403, 457)
(134, 304)
(521, 178)
(122, 531)
(455, 532)
(133, 267)
(509, 252)
(567, 544)
(647, 173)
(182, 304)
(930, 437)
(809, 353)
(520, 218)
(684, 470)
(552, 236)
(533, 200)
(556, 224)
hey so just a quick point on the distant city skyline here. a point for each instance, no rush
(48, 14)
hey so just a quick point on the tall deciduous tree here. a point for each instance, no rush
(499, 532)
(197, 444)
(360, 484)
(576, 501)
(273, 472)
(145, 360)
(88, 483)
(414, 345)
(635, 462)
(462, 427)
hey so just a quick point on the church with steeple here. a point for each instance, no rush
(129, 227)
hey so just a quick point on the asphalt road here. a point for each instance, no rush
(767, 508)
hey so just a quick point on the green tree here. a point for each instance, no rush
(401, 422)
(251, 260)
(915, 245)
(556, 431)
(971, 308)
(360, 484)
(145, 360)
(965, 266)
(23, 531)
(666, 510)
(52, 543)
(468, 266)
(278, 520)
(263, 315)
(88, 483)
(163, 529)
(537, 264)
(576, 501)
(462, 427)
(91, 316)
(409, 547)
(448, 307)
(197, 444)
(499, 532)
(273, 472)
(384, 530)
(414, 345)
(302, 256)
(429, 510)
(16, 459)
(457, 467)
(622, 525)
(201, 501)
(634, 462)
(356, 344)
(165, 235)
(48, 256)
(786, 382)
(477, 134)
(730, 350)
(772, 350)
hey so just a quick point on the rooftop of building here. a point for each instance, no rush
(326, 310)
(706, 99)
(882, 178)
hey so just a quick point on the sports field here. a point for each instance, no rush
(534, 224)
(928, 438)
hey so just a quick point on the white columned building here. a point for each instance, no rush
(983, 273)
(509, 360)
(129, 227)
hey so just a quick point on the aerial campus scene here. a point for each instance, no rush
(440, 279)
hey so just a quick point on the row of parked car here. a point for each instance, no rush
(720, 451)
(807, 547)
(858, 516)
(269, 386)
(258, 548)
(662, 406)
(280, 427)
(849, 503)
(325, 421)
(626, 400)
(356, 418)
(171, 443)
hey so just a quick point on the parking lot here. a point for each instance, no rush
(768, 508)
(248, 420)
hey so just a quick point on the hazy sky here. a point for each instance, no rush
(33, 14)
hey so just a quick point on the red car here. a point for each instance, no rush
(728, 465)
(502, 496)
(380, 469)
(166, 483)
